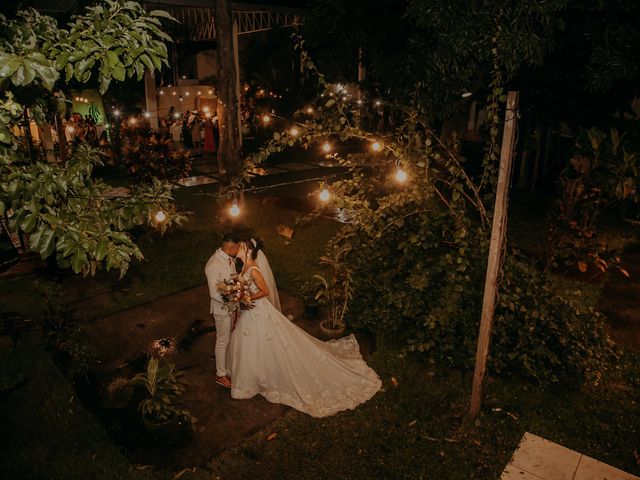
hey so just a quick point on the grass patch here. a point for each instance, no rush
(417, 430)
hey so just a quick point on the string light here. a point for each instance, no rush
(174, 93)
(309, 110)
(324, 195)
(326, 146)
(266, 119)
(466, 94)
(147, 114)
(187, 93)
(234, 211)
(161, 92)
(376, 147)
(133, 121)
(401, 175)
(160, 216)
(293, 132)
(378, 103)
(116, 113)
(199, 93)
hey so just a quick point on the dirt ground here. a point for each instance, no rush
(620, 301)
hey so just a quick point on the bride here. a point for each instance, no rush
(270, 356)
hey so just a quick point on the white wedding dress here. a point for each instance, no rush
(269, 355)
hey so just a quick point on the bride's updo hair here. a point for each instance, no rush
(254, 245)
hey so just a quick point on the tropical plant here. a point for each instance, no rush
(602, 174)
(65, 211)
(162, 390)
(337, 284)
(147, 156)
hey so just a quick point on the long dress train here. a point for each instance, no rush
(271, 356)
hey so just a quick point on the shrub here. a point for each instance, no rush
(146, 155)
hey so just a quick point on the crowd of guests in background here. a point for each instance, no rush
(194, 129)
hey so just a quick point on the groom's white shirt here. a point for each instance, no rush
(218, 268)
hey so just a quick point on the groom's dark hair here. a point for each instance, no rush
(232, 236)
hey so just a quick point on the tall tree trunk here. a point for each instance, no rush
(229, 149)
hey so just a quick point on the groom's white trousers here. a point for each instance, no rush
(223, 333)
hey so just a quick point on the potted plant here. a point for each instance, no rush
(160, 405)
(308, 292)
(336, 289)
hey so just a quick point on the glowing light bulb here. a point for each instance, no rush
(234, 211)
(209, 92)
(160, 216)
(466, 94)
(205, 109)
(378, 103)
(266, 119)
(401, 175)
(326, 147)
(324, 195)
(359, 102)
(187, 94)
(133, 121)
(309, 110)
(147, 114)
(71, 129)
(294, 132)
(199, 93)
(376, 147)
(116, 113)
(161, 92)
(176, 115)
(173, 93)
(344, 99)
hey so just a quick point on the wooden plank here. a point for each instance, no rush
(494, 262)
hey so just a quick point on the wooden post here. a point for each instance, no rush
(494, 263)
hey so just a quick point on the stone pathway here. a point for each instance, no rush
(539, 459)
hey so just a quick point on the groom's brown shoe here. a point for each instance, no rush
(224, 381)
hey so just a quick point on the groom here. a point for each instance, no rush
(221, 265)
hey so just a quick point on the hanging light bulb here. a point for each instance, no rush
(324, 195)
(378, 103)
(293, 132)
(326, 147)
(401, 175)
(376, 146)
(234, 211)
(266, 119)
(161, 92)
(147, 114)
(309, 110)
(160, 216)
(116, 113)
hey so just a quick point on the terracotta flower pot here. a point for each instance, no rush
(327, 329)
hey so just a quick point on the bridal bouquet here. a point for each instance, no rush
(235, 293)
